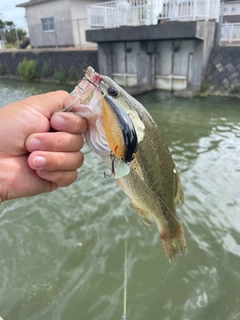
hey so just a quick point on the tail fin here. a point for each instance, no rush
(174, 245)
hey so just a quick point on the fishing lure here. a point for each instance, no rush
(120, 132)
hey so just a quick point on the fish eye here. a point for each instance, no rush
(112, 92)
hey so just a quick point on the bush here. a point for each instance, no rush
(47, 70)
(28, 69)
(3, 68)
(204, 86)
(73, 75)
(234, 89)
(60, 75)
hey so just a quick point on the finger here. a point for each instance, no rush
(55, 161)
(50, 102)
(68, 122)
(60, 178)
(54, 141)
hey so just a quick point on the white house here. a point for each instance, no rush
(230, 29)
(60, 23)
(231, 12)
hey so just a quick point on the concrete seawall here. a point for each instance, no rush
(223, 69)
(68, 61)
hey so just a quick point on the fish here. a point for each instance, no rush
(143, 167)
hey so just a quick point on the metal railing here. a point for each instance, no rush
(145, 12)
(115, 13)
(230, 32)
(191, 10)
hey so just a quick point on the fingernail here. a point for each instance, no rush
(39, 162)
(58, 122)
(34, 144)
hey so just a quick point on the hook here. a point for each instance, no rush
(94, 84)
(112, 157)
(79, 84)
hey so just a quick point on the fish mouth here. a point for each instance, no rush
(91, 74)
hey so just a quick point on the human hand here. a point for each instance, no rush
(54, 156)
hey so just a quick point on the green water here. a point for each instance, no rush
(45, 274)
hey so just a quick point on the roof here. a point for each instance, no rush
(31, 3)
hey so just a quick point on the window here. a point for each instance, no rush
(48, 24)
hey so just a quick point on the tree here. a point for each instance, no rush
(2, 25)
(9, 31)
(9, 25)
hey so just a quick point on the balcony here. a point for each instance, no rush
(230, 33)
(114, 14)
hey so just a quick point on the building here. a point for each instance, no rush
(154, 44)
(230, 28)
(231, 12)
(57, 23)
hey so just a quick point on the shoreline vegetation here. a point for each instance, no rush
(30, 70)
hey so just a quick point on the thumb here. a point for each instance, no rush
(48, 103)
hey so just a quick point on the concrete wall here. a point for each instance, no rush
(62, 33)
(68, 61)
(223, 69)
(80, 24)
(170, 56)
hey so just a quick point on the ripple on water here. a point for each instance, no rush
(62, 254)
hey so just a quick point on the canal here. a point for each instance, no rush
(62, 255)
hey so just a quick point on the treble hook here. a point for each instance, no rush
(94, 84)
(112, 157)
(86, 79)
(79, 84)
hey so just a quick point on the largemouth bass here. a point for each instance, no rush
(152, 181)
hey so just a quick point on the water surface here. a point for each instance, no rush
(45, 273)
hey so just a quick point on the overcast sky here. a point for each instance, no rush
(9, 12)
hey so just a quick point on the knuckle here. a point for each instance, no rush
(67, 178)
(80, 159)
(81, 124)
(81, 142)
(58, 143)
(61, 161)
